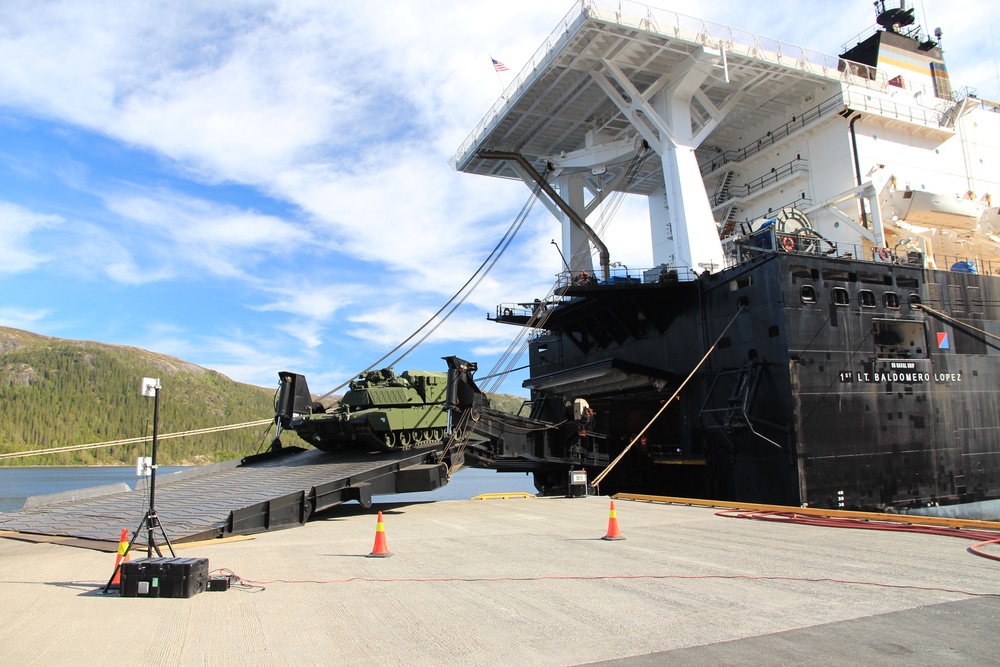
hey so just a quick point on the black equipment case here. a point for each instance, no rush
(164, 577)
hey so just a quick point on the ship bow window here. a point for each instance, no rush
(891, 300)
(899, 339)
(867, 298)
(975, 299)
(840, 296)
(808, 294)
(957, 299)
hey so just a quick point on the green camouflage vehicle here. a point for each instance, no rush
(381, 410)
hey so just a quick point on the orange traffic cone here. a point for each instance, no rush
(122, 557)
(380, 550)
(613, 532)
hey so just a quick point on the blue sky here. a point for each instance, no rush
(258, 185)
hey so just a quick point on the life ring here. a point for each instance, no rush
(507, 312)
(788, 243)
(883, 254)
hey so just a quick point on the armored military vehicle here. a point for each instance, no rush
(381, 410)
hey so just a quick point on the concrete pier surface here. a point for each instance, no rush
(522, 581)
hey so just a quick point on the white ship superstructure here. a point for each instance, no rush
(870, 150)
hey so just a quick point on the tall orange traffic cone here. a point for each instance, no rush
(122, 557)
(613, 532)
(380, 550)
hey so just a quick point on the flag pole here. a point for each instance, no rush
(500, 67)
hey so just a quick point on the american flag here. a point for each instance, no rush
(499, 66)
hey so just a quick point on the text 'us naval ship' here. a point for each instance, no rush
(820, 326)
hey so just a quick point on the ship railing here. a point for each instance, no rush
(806, 242)
(822, 110)
(623, 276)
(555, 39)
(746, 226)
(916, 32)
(776, 174)
(651, 19)
(967, 94)
(923, 91)
(739, 42)
(894, 109)
(808, 117)
(520, 312)
(960, 264)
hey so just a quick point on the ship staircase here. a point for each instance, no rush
(772, 180)
(722, 194)
(728, 222)
(732, 390)
(722, 191)
(775, 137)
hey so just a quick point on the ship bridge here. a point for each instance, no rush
(616, 81)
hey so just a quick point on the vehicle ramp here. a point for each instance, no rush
(259, 493)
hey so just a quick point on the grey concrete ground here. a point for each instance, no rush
(523, 582)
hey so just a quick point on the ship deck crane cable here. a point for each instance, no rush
(460, 296)
(515, 351)
(511, 356)
(604, 473)
(505, 243)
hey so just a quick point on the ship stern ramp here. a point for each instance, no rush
(266, 492)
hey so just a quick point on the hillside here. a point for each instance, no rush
(56, 392)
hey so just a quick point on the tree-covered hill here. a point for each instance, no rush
(56, 392)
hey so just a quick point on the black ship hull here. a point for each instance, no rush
(833, 382)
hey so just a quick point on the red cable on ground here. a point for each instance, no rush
(974, 548)
(985, 537)
(597, 577)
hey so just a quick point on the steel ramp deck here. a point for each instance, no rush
(277, 492)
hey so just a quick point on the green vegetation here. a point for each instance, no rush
(56, 392)
(507, 403)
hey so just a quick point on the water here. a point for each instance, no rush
(468, 483)
(16, 484)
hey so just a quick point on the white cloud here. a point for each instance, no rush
(307, 332)
(22, 318)
(309, 301)
(218, 238)
(16, 227)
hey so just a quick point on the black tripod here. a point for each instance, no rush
(150, 520)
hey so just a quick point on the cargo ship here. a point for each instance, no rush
(819, 326)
